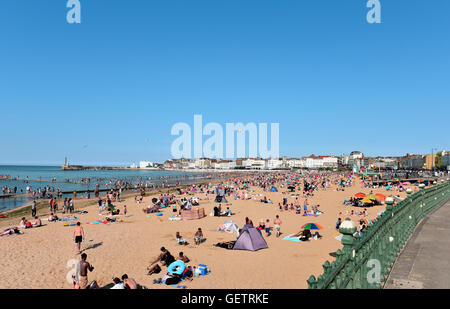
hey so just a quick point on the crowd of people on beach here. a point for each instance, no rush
(296, 190)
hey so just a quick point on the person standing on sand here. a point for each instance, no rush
(277, 225)
(33, 208)
(84, 267)
(71, 207)
(78, 236)
(50, 205)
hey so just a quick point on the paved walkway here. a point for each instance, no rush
(425, 261)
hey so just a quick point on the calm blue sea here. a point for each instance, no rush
(46, 173)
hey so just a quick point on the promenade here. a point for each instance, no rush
(425, 261)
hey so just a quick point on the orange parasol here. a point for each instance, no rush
(381, 197)
(360, 195)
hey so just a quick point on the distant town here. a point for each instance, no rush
(355, 160)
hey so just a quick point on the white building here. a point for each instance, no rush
(343, 159)
(251, 163)
(356, 158)
(224, 165)
(145, 164)
(329, 161)
(295, 163)
(202, 163)
(272, 164)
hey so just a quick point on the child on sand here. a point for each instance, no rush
(277, 225)
(267, 226)
(198, 238)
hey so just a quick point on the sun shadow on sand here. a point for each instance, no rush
(92, 246)
(333, 254)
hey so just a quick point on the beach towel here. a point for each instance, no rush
(296, 239)
(95, 222)
(69, 219)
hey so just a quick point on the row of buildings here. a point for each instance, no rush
(355, 160)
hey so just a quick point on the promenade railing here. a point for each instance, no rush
(366, 260)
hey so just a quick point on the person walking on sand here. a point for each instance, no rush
(78, 236)
(277, 225)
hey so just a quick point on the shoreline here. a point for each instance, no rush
(42, 204)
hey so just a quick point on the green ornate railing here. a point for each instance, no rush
(365, 261)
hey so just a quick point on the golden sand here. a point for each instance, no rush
(38, 259)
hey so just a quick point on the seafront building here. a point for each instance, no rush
(355, 160)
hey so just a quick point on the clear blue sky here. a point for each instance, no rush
(134, 68)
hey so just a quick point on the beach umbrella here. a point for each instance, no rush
(360, 195)
(381, 197)
(406, 183)
(367, 201)
(371, 196)
(312, 226)
(154, 200)
(338, 236)
(367, 221)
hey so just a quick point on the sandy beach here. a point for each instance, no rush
(39, 258)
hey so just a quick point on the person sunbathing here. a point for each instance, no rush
(305, 235)
(183, 258)
(52, 218)
(226, 245)
(181, 240)
(129, 283)
(22, 223)
(37, 222)
(187, 274)
(165, 258)
(11, 231)
(261, 226)
(118, 285)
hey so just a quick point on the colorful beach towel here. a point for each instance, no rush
(296, 239)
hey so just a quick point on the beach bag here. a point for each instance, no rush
(203, 269)
(174, 280)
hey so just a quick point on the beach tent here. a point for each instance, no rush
(220, 196)
(250, 239)
(230, 227)
(220, 199)
(273, 189)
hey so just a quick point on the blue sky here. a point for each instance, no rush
(132, 69)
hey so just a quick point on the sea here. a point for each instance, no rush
(41, 176)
